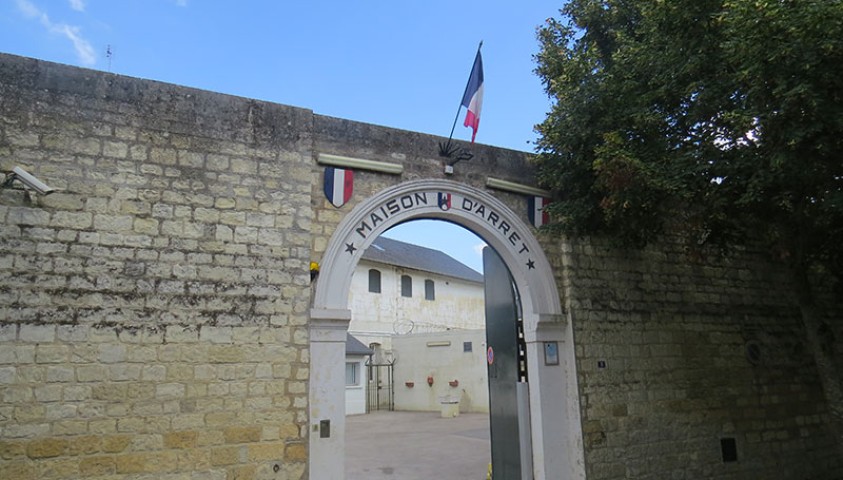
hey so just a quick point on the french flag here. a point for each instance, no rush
(339, 183)
(537, 212)
(472, 99)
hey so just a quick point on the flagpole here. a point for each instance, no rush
(457, 117)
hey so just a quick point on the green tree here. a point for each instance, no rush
(722, 117)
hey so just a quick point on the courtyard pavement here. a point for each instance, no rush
(416, 446)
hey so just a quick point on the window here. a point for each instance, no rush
(466, 346)
(429, 293)
(352, 374)
(406, 286)
(374, 281)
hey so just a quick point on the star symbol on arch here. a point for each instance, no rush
(350, 248)
(531, 264)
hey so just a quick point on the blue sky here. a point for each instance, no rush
(398, 63)
(446, 237)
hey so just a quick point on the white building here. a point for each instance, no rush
(399, 288)
(403, 297)
(443, 367)
(356, 375)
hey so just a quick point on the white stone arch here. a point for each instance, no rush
(554, 406)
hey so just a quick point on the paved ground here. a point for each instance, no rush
(416, 446)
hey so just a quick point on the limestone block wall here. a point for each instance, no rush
(666, 373)
(153, 311)
(417, 152)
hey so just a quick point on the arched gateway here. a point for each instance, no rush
(554, 410)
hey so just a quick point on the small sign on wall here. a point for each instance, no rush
(551, 353)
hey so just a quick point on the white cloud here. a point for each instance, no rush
(478, 249)
(181, 3)
(29, 9)
(83, 48)
(78, 5)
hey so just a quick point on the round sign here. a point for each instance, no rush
(490, 355)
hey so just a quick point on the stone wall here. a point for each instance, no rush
(153, 312)
(676, 355)
(416, 152)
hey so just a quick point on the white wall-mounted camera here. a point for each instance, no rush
(28, 180)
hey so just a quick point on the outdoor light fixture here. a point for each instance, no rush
(359, 163)
(27, 179)
(513, 187)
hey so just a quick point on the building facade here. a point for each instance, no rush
(357, 356)
(158, 318)
(400, 295)
(441, 368)
(399, 288)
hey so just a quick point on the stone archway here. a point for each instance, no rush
(554, 405)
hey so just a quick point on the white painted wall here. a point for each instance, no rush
(441, 355)
(355, 395)
(328, 333)
(376, 317)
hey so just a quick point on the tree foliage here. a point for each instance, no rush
(720, 118)
(723, 117)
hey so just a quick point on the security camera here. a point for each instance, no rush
(29, 180)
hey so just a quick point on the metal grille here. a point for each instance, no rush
(380, 392)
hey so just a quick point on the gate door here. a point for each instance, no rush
(507, 373)
(380, 393)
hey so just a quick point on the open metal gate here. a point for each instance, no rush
(380, 392)
(506, 358)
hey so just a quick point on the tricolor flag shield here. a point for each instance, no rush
(339, 183)
(444, 201)
(537, 213)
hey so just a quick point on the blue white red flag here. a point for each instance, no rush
(339, 183)
(472, 99)
(444, 201)
(537, 212)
